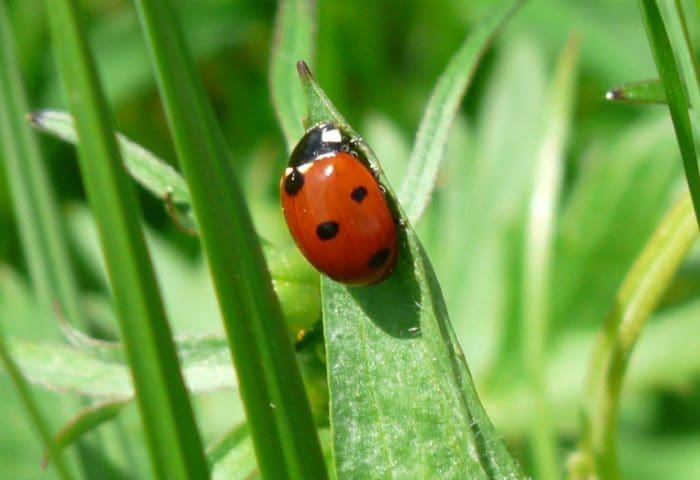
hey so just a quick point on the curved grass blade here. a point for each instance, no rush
(85, 420)
(421, 175)
(276, 407)
(172, 436)
(644, 92)
(403, 404)
(637, 297)
(675, 95)
(294, 32)
(151, 172)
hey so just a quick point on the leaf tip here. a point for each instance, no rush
(304, 71)
(614, 94)
(34, 117)
(44, 464)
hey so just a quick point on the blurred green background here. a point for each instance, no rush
(378, 62)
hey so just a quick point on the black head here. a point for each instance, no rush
(318, 141)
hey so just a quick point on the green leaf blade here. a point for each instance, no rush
(431, 138)
(151, 172)
(644, 92)
(96, 369)
(378, 394)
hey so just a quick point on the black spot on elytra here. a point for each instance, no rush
(379, 258)
(359, 194)
(327, 230)
(293, 182)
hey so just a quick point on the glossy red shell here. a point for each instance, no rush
(340, 219)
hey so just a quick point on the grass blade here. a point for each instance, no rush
(538, 253)
(417, 414)
(669, 76)
(637, 297)
(36, 209)
(423, 165)
(294, 32)
(277, 410)
(644, 92)
(171, 433)
(680, 42)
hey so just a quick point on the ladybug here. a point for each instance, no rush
(336, 210)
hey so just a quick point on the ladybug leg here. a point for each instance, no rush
(375, 171)
(183, 223)
(352, 147)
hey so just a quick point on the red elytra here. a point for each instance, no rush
(336, 210)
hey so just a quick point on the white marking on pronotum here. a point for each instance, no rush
(305, 167)
(331, 136)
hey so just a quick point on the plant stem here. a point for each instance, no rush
(637, 297)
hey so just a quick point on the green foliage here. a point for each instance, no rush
(554, 226)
